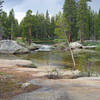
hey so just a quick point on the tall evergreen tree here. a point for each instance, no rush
(69, 10)
(26, 26)
(82, 19)
(47, 25)
(11, 19)
(1, 2)
(60, 27)
(97, 25)
(52, 27)
(1, 30)
(5, 26)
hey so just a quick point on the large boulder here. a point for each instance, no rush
(10, 46)
(75, 45)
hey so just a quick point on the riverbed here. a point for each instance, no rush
(86, 60)
(58, 89)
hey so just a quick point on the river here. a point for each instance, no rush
(45, 56)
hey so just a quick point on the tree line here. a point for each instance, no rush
(76, 22)
(81, 23)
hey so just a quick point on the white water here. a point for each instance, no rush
(45, 48)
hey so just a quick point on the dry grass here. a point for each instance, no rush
(11, 83)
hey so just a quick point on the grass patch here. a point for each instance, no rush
(59, 40)
(98, 48)
(91, 43)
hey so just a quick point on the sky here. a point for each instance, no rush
(54, 6)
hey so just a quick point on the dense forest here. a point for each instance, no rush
(76, 22)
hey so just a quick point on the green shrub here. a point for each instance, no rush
(98, 48)
(90, 43)
(59, 40)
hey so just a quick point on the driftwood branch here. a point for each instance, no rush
(72, 55)
(71, 52)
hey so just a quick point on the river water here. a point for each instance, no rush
(61, 90)
(45, 56)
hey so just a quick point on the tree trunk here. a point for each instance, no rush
(72, 55)
(69, 37)
(1, 31)
(11, 31)
(29, 36)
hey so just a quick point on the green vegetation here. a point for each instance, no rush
(87, 65)
(98, 48)
(91, 43)
(70, 12)
(33, 66)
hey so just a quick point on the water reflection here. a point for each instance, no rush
(84, 61)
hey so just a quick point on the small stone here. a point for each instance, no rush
(24, 85)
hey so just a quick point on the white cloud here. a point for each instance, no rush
(41, 5)
(53, 6)
(19, 16)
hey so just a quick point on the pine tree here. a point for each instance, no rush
(1, 30)
(60, 27)
(52, 27)
(1, 2)
(97, 25)
(4, 21)
(82, 20)
(13, 25)
(69, 11)
(26, 27)
(47, 25)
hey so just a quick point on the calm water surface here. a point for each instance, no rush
(84, 61)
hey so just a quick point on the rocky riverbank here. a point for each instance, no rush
(31, 82)
(42, 88)
(12, 47)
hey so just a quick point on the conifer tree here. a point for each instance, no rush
(60, 27)
(1, 30)
(82, 19)
(69, 11)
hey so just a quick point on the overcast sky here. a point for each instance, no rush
(53, 6)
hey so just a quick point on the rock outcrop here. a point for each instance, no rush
(11, 47)
(17, 62)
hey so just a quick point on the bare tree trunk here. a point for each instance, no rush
(1, 31)
(74, 64)
(11, 31)
(69, 37)
(72, 55)
(29, 37)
